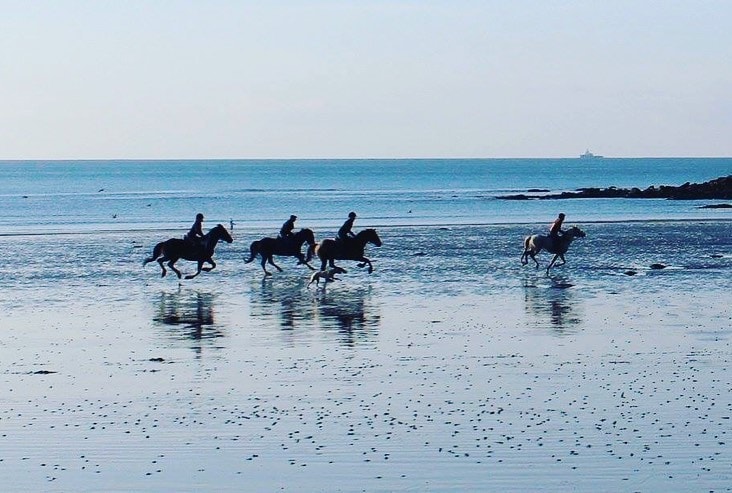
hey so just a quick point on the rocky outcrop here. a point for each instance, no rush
(718, 189)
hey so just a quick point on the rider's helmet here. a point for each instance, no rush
(199, 217)
(352, 215)
(561, 215)
(293, 217)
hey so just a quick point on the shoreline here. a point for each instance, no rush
(272, 230)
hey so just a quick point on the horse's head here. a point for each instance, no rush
(306, 235)
(575, 232)
(220, 232)
(369, 236)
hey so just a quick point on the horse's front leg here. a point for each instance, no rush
(551, 263)
(304, 261)
(209, 261)
(198, 271)
(364, 261)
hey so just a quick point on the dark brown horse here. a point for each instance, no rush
(175, 249)
(558, 246)
(329, 249)
(268, 247)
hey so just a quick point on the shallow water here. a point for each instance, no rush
(450, 368)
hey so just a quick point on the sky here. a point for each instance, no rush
(220, 79)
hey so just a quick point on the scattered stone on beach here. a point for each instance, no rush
(716, 255)
(630, 272)
(658, 266)
(157, 360)
(43, 372)
(419, 254)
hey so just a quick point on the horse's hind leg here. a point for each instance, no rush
(271, 262)
(171, 264)
(533, 257)
(161, 261)
(525, 257)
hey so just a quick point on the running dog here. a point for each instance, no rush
(326, 275)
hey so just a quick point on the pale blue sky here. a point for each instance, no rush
(310, 79)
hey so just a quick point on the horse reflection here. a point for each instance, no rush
(347, 311)
(191, 311)
(554, 303)
(284, 304)
(350, 313)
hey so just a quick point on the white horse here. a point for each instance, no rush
(536, 243)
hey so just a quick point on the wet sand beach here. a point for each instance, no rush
(450, 368)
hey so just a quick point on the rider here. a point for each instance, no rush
(195, 234)
(555, 230)
(345, 232)
(286, 229)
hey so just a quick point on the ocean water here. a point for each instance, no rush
(75, 196)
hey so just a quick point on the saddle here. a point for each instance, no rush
(196, 244)
(552, 242)
(286, 243)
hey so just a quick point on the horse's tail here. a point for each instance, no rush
(157, 251)
(253, 250)
(527, 240)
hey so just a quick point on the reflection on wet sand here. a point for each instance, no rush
(189, 314)
(350, 311)
(553, 302)
(286, 304)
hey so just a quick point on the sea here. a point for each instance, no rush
(451, 367)
(88, 196)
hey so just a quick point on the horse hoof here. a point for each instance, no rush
(360, 265)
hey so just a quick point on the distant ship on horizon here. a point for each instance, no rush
(588, 155)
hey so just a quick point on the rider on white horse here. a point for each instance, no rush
(555, 230)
